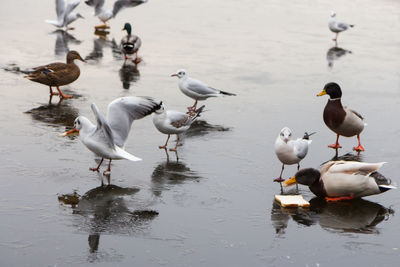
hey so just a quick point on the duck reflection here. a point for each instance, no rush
(105, 210)
(201, 127)
(358, 216)
(62, 40)
(99, 44)
(346, 157)
(334, 53)
(128, 74)
(62, 113)
(170, 172)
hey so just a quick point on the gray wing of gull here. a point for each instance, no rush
(103, 131)
(178, 119)
(121, 4)
(60, 9)
(201, 88)
(300, 148)
(97, 4)
(342, 25)
(123, 111)
(70, 7)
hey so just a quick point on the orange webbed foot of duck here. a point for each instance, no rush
(336, 199)
(335, 146)
(359, 148)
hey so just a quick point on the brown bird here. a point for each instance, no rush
(57, 74)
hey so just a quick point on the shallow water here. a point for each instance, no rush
(212, 204)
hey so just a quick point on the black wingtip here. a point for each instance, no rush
(227, 93)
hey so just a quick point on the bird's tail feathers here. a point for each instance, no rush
(123, 154)
(226, 93)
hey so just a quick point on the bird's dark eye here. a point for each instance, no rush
(281, 134)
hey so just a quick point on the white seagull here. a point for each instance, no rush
(173, 122)
(336, 26)
(290, 151)
(196, 89)
(107, 138)
(65, 16)
(106, 14)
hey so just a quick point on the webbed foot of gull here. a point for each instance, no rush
(162, 147)
(279, 180)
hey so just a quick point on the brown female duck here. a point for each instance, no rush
(57, 74)
(341, 120)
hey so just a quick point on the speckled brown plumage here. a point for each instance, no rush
(57, 74)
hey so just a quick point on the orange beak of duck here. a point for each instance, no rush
(73, 131)
(323, 92)
(290, 181)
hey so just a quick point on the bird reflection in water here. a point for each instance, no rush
(63, 113)
(108, 210)
(334, 53)
(62, 40)
(357, 216)
(170, 172)
(201, 127)
(99, 44)
(128, 74)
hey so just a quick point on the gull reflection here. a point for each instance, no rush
(169, 173)
(62, 113)
(128, 74)
(201, 127)
(357, 216)
(108, 210)
(99, 44)
(334, 53)
(62, 40)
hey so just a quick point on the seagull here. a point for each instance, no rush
(130, 43)
(336, 26)
(290, 151)
(106, 14)
(173, 122)
(196, 89)
(108, 137)
(65, 16)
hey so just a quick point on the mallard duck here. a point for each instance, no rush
(342, 120)
(130, 44)
(290, 151)
(336, 26)
(107, 138)
(65, 16)
(196, 89)
(343, 180)
(173, 122)
(106, 14)
(57, 74)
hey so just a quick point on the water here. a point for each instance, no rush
(214, 205)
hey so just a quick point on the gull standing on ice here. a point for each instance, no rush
(196, 89)
(106, 14)
(290, 151)
(107, 138)
(336, 26)
(173, 122)
(65, 16)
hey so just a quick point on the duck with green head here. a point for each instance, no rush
(130, 44)
(341, 120)
(57, 74)
(343, 180)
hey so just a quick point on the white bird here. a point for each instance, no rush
(107, 138)
(106, 14)
(65, 16)
(196, 89)
(344, 180)
(336, 26)
(290, 151)
(173, 122)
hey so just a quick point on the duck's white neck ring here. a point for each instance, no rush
(333, 99)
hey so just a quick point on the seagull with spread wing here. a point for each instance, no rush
(65, 16)
(106, 14)
(108, 137)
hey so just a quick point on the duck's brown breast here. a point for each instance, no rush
(334, 114)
